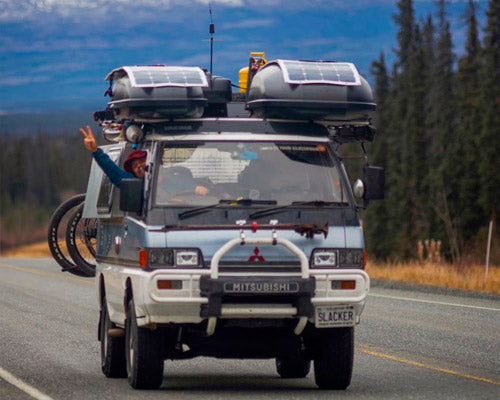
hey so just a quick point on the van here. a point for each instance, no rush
(243, 240)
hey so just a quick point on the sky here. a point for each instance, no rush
(54, 54)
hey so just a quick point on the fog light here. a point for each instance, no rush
(168, 284)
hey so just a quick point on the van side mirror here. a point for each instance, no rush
(131, 195)
(374, 182)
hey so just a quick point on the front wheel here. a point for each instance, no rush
(143, 352)
(333, 359)
(112, 349)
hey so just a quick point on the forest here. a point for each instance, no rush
(438, 121)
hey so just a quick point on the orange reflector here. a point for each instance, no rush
(348, 285)
(343, 285)
(143, 258)
(321, 148)
(168, 284)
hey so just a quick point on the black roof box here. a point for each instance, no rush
(157, 92)
(311, 90)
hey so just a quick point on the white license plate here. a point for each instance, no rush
(334, 316)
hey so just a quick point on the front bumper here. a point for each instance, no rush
(209, 294)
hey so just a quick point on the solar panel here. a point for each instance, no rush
(162, 76)
(332, 73)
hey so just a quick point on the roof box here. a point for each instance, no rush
(310, 90)
(157, 92)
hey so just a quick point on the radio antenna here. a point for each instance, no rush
(211, 31)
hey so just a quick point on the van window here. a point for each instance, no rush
(282, 172)
(105, 198)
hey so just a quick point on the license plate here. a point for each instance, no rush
(261, 287)
(334, 316)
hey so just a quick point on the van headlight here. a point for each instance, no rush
(187, 258)
(352, 258)
(172, 258)
(338, 258)
(324, 258)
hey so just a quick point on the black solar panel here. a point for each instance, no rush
(158, 76)
(303, 72)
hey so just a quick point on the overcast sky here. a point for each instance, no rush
(54, 54)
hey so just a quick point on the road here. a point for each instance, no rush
(409, 345)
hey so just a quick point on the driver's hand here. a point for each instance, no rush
(89, 141)
(200, 191)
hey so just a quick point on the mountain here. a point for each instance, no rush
(28, 124)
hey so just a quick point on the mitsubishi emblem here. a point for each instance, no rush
(256, 256)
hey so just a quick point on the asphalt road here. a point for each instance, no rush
(409, 345)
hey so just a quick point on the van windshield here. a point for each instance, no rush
(281, 173)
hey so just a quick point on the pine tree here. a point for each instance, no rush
(397, 165)
(489, 139)
(415, 149)
(408, 163)
(378, 236)
(442, 178)
(470, 217)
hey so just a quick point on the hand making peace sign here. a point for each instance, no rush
(89, 141)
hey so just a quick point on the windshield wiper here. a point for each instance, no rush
(315, 203)
(233, 202)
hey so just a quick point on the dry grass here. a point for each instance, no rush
(468, 277)
(36, 250)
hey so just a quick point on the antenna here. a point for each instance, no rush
(211, 30)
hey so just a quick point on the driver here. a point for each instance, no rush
(177, 181)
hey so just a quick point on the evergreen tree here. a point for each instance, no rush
(407, 163)
(397, 165)
(442, 178)
(489, 139)
(378, 236)
(415, 149)
(470, 217)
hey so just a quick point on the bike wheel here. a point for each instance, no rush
(57, 234)
(81, 240)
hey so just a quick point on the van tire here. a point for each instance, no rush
(143, 353)
(112, 349)
(334, 356)
(292, 367)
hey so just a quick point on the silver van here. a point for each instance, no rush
(243, 240)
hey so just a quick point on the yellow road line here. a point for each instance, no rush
(422, 365)
(48, 274)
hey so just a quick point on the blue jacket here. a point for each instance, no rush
(113, 171)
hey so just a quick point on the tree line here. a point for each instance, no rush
(36, 174)
(439, 139)
(439, 123)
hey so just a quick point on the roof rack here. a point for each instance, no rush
(331, 97)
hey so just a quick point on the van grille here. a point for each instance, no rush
(260, 267)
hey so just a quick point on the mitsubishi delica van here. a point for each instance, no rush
(243, 240)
